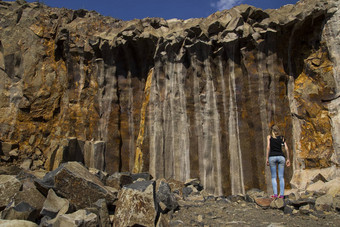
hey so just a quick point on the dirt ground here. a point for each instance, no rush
(221, 213)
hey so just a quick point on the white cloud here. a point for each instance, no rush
(226, 4)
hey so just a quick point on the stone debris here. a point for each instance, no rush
(161, 202)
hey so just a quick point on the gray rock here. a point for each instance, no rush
(73, 181)
(16, 223)
(10, 170)
(186, 191)
(145, 176)
(26, 165)
(324, 203)
(278, 203)
(254, 193)
(78, 218)
(336, 203)
(32, 197)
(99, 173)
(306, 209)
(6, 148)
(101, 210)
(140, 185)
(21, 211)
(9, 186)
(136, 205)
(194, 182)
(288, 209)
(54, 205)
(14, 153)
(165, 198)
(118, 180)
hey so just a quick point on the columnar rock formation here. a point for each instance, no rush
(179, 99)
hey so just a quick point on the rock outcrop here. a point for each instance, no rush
(179, 99)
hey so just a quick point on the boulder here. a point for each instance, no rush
(254, 193)
(99, 173)
(143, 176)
(73, 181)
(176, 186)
(136, 205)
(332, 187)
(118, 180)
(318, 186)
(263, 202)
(324, 203)
(9, 186)
(278, 203)
(7, 147)
(100, 209)
(187, 191)
(306, 209)
(21, 211)
(165, 198)
(301, 202)
(27, 179)
(16, 223)
(78, 218)
(54, 205)
(26, 164)
(31, 196)
(288, 209)
(10, 170)
(194, 182)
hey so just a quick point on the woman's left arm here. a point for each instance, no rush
(287, 152)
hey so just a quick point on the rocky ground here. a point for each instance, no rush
(242, 213)
(73, 195)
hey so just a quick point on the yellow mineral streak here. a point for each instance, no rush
(138, 165)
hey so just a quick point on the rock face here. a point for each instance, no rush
(181, 99)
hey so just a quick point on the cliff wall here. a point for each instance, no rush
(180, 99)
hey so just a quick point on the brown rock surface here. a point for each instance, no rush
(179, 99)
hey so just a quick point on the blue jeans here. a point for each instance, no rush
(280, 160)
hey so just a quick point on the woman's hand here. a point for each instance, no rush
(287, 163)
(267, 161)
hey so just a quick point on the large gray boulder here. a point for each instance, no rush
(9, 186)
(73, 181)
(136, 205)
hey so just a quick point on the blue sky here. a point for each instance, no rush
(167, 9)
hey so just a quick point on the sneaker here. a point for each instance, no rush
(274, 196)
(282, 197)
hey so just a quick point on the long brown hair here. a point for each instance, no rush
(275, 131)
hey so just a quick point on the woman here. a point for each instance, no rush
(275, 157)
